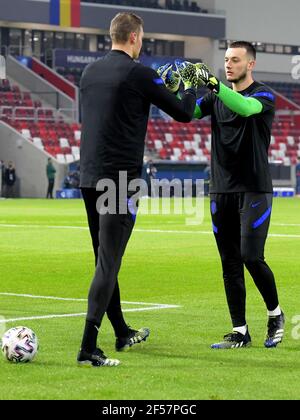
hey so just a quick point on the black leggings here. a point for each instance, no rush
(240, 223)
(110, 234)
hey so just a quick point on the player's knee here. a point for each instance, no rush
(231, 268)
(250, 259)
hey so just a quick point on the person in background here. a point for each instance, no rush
(10, 179)
(2, 174)
(150, 175)
(50, 170)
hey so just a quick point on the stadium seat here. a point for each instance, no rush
(77, 134)
(38, 142)
(69, 158)
(26, 133)
(61, 158)
(64, 142)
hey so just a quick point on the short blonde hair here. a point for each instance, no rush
(122, 25)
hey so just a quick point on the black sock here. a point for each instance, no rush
(115, 315)
(119, 325)
(89, 340)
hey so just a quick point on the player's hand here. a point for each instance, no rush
(170, 77)
(205, 76)
(188, 74)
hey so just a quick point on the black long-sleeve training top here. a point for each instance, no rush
(116, 93)
(239, 157)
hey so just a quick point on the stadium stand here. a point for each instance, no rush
(51, 125)
(290, 90)
(176, 141)
(45, 127)
(180, 5)
(191, 142)
(166, 139)
(73, 75)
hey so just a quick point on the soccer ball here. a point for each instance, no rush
(19, 345)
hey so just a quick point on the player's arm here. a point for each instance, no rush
(150, 85)
(241, 105)
(204, 106)
(197, 111)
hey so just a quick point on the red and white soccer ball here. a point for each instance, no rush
(19, 345)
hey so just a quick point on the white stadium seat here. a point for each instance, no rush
(37, 141)
(26, 132)
(69, 158)
(61, 158)
(77, 134)
(64, 142)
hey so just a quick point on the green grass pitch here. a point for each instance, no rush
(45, 250)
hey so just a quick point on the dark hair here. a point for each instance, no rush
(122, 25)
(244, 44)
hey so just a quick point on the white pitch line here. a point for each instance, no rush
(282, 235)
(44, 226)
(79, 299)
(198, 232)
(31, 318)
(204, 232)
(163, 231)
(147, 303)
(148, 307)
(286, 224)
(152, 308)
(42, 297)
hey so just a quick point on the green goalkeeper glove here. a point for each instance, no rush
(205, 76)
(170, 77)
(188, 74)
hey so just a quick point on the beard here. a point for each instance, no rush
(241, 78)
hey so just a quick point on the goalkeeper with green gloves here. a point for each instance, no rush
(241, 187)
(185, 71)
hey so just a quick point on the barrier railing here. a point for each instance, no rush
(37, 114)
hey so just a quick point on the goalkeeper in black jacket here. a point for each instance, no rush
(116, 93)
